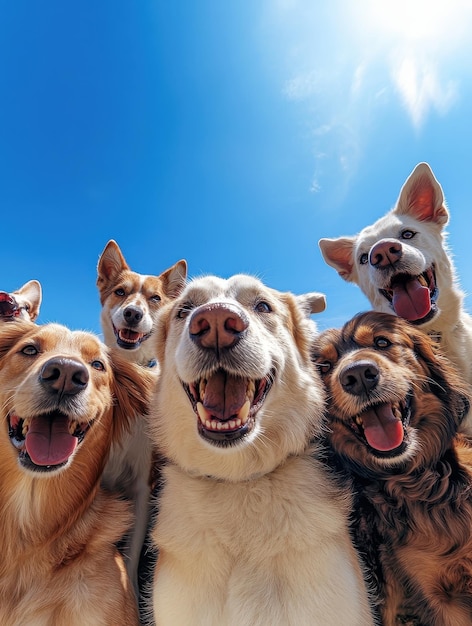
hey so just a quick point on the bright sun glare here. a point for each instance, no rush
(433, 21)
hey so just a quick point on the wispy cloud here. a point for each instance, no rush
(343, 71)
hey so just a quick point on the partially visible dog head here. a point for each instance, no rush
(23, 303)
(61, 395)
(131, 301)
(400, 262)
(393, 402)
(237, 392)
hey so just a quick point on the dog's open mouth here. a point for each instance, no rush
(128, 338)
(226, 405)
(413, 297)
(8, 306)
(383, 427)
(45, 442)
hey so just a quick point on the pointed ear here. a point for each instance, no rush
(311, 302)
(133, 387)
(422, 197)
(339, 254)
(174, 279)
(32, 293)
(111, 263)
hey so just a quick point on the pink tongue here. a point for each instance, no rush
(224, 395)
(48, 441)
(382, 429)
(411, 300)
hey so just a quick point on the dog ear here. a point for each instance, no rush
(422, 197)
(32, 292)
(311, 302)
(111, 263)
(12, 331)
(339, 254)
(443, 378)
(133, 387)
(174, 279)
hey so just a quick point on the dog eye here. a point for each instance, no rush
(30, 350)
(324, 367)
(408, 234)
(119, 292)
(184, 310)
(98, 365)
(382, 342)
(155, 298)
(262, 307)
(363, 258)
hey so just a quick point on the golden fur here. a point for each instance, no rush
(403, 266)
(58, 562)
(251, 530)
(394, 407)
(130, 304)
(22, 303)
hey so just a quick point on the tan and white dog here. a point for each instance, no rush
(251, 530)
(63, 400)
(403, 266)
(130, 303)
(22, 303)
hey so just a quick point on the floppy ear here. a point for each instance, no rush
(174, 279)
(132, 391)
(11, 332)
(422, 197)
(443, 378)
(311, 302)
(32, 292)
(339, 254)
(111, 263)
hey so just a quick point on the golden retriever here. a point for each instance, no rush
(130, 304)
(251, 530)
(62, 402)
(403, 266)
(394, 407)
(22, 303)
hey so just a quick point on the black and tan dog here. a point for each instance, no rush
(394, 409)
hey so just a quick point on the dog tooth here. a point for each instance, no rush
(422, 280)
(213, 424)
(208, 424)
(232, 424)
(251, 389)
(219, 425)
(202, 413)
(244, 411)
(238, 423)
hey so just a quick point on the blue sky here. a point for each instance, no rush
(231, 133)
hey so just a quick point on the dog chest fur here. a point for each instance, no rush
(258, 552)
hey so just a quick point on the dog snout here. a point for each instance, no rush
(64, 375)
(385, 252)
(218, 325)
(358, 378)
(133, 315)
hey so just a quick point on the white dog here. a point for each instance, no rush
(403, 266)
(251, 530)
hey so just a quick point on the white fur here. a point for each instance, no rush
(420, 208)
(253, 533)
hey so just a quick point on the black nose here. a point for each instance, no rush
(64, 375)
(133, 315)
(360, 377)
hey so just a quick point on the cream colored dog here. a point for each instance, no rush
(251, 530)
(403, 266)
